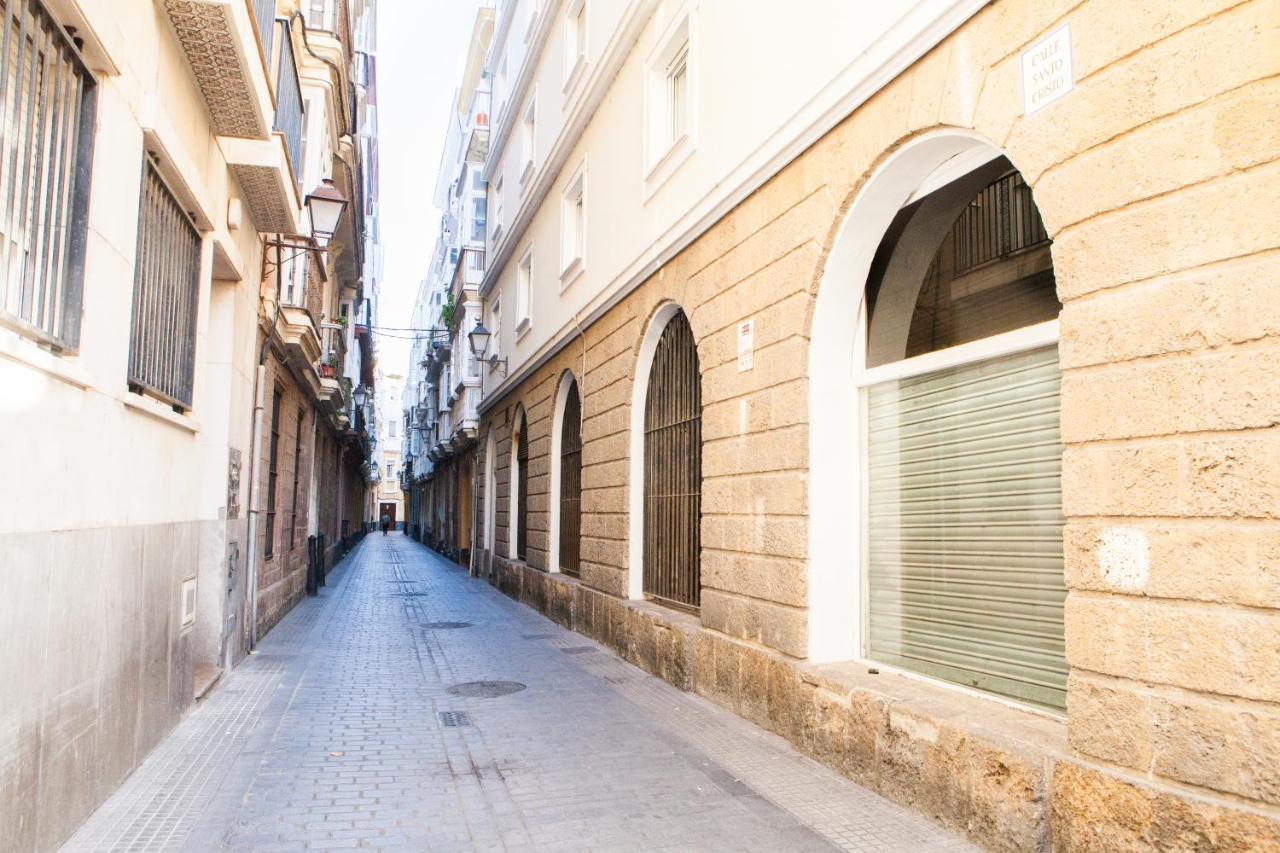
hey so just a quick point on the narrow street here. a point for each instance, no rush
(347, 730)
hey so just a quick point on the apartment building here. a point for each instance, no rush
(442, 415)
(899, 377)
(387, 452)
(171, 311)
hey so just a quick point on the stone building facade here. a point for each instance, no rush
(1156, 179)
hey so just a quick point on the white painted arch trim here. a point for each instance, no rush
(490, 491)
(519, 422)
(836, 369)
(635, 480)
(567, 382)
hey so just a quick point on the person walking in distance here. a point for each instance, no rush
(386, 523)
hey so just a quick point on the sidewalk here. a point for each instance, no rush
(411, 707)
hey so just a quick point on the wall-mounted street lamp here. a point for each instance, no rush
(360, 395)
(479, 340)
(326, 206)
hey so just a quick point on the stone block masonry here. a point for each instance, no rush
(1157, 181)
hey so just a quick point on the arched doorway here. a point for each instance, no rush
(951, 493)
(667, 464)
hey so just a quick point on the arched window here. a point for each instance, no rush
(962, 457)
(673, 469)
(570, 518)
(522, 491)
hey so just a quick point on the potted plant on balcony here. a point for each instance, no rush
(329, 367)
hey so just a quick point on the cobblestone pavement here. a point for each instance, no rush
(344, 731)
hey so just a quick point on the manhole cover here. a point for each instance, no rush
(486, 689)
(578, 650)
(453, 719)
(537, 636)
(445, 626)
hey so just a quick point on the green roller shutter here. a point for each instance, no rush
(965, 526)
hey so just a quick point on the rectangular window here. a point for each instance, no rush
(297, 473)
(497, 208)
(273, 460)
(391, 429)
(390, 470)
(49, 99)
(528, 140)
(166, 290)
(495, 328)
(524, 291)
(678, 96)
(573, 228)
(319, 15)
(575, 42)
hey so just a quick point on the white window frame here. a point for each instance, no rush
(573, 228)
(576, 27)
(524, 293)
(528, 140)
(496, 206)
(667, 148)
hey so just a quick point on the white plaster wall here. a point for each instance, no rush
(751, 109)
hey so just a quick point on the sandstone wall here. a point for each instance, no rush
(1159, 180)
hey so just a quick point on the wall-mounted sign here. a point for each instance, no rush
(1047, 72)
(746, 345)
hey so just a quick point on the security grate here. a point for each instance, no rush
(673, 469)
(571, 484)
(453, 719)
(522, 492)
(166, 289)
(48, 102)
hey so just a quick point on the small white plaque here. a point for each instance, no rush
(1047, 72)
(746, 345)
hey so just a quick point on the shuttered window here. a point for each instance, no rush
(166, 290)
(522, 493)
(47, 103)
(571, 483)
(965, 522)
(673, 469)
(963, 498)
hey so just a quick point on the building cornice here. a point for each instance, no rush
(849, 90)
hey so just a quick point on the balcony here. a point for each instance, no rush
(228, 46)
(333, 354)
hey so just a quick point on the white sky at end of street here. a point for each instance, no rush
(421, 47)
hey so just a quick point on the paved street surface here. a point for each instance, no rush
(345, 731)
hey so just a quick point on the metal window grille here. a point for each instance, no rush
(571, 484)
(289, 109)
(273, 458)
(264, 15)
(1000, 222)
(47, 104)
(166, 289)
(522, 492)
(673, 469)
(297, 471)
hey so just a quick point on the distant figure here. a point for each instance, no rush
(386, 523)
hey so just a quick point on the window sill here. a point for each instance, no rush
(523, 327)
(15, 347)
(667, 163)
(526, 175)
(571, 273)
(576, 73)
(161, 412)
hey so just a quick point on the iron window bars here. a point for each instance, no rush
(673, 470)
(571, 484)
(47, 104)
(522, 492)
(166, 290)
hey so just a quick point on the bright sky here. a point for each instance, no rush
(421, 47)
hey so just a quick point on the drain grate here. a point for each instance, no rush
(486, 689)
(445, 626)
(453, 719)
(537, 636)
(578, 650)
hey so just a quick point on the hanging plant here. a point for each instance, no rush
(446, 312)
